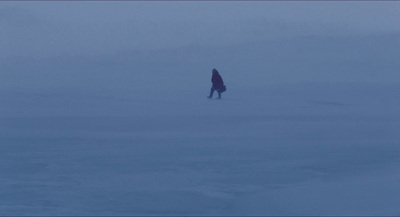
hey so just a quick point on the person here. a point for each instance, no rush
(217, 84)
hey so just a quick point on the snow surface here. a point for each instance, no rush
(294, 149)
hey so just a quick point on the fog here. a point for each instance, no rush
(66, 43)
(103, 108)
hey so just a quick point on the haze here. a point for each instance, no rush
(104, 108)
(271, 42)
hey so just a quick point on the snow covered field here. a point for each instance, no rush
(294, 149)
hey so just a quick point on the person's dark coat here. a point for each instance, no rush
(217, 84)
(217, 81)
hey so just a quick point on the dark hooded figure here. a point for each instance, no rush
(217, 84)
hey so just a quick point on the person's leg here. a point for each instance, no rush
(219, 95)
(211, 92)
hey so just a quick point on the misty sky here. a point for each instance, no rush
(56, 27)
(52, 29)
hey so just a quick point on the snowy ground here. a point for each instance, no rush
(303, 149)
